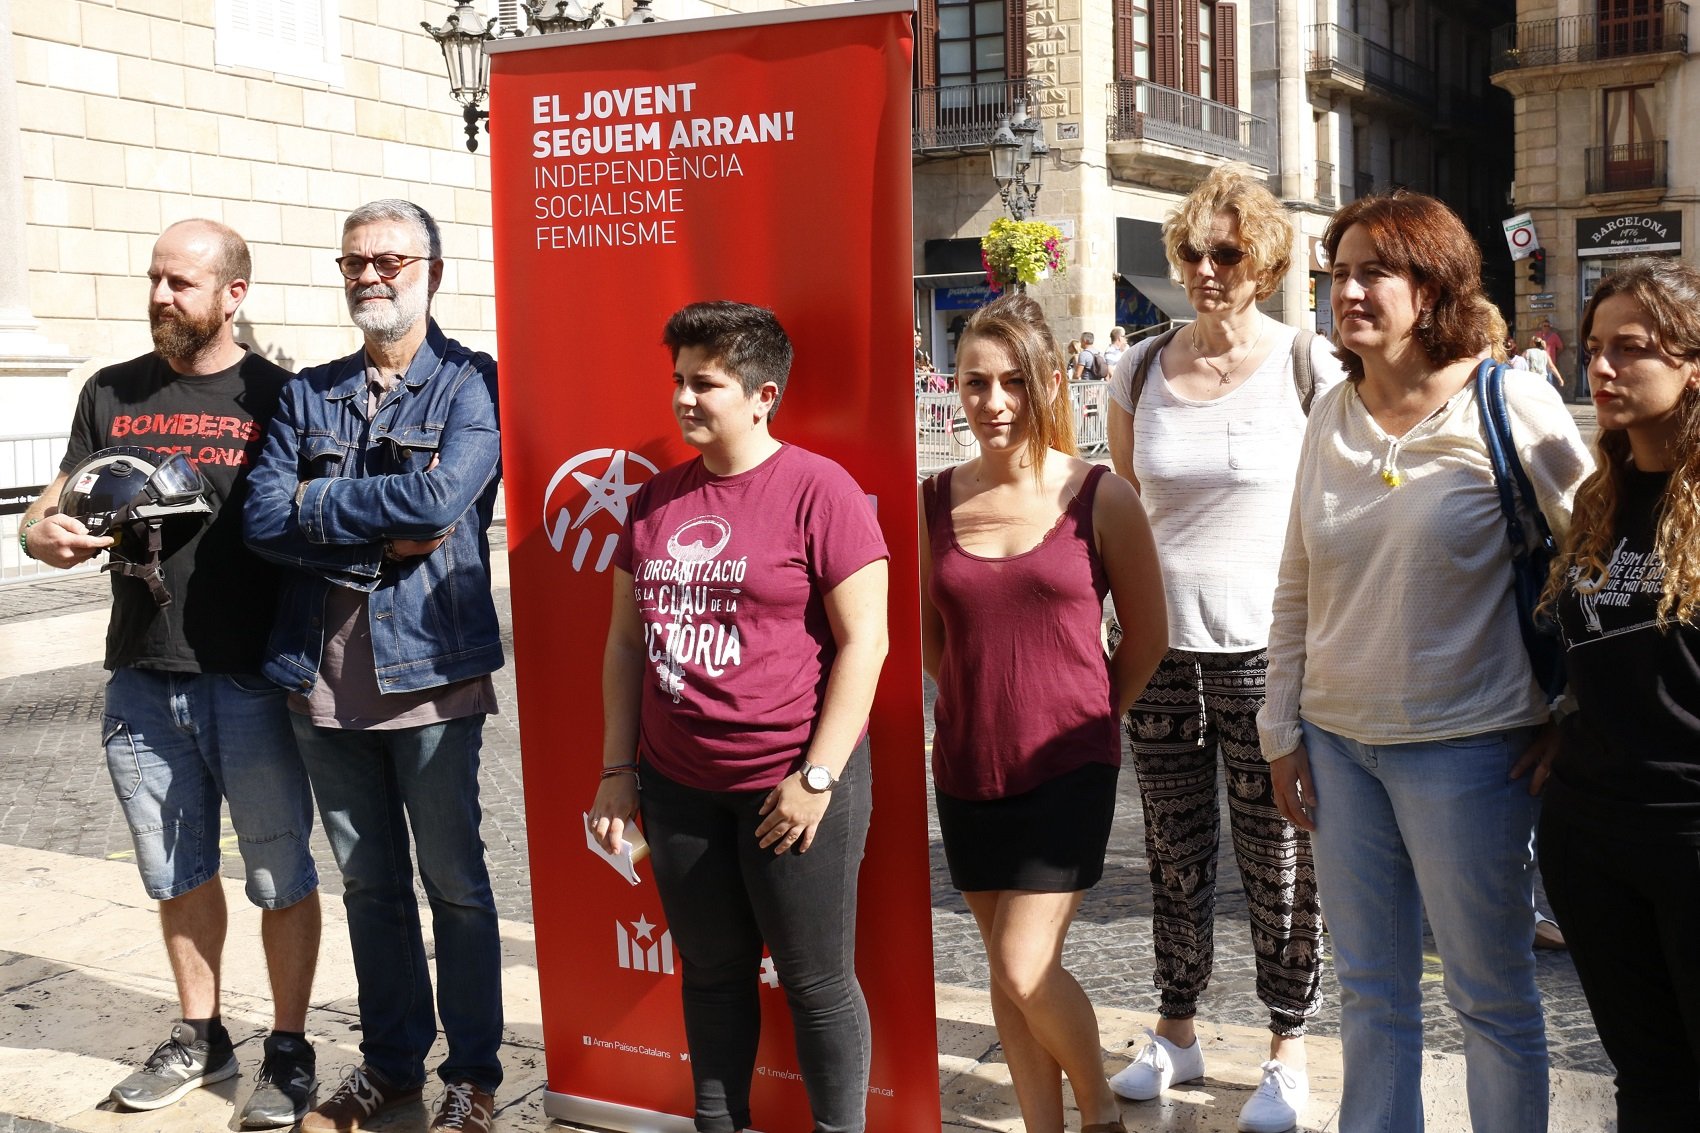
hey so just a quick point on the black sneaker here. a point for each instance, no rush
(183, 1062)
(283, 1090)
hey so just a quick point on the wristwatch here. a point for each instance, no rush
(817, 778)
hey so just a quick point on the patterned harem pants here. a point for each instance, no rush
(1195, 704)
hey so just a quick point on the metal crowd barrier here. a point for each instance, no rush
(27, 465)
(943, 438)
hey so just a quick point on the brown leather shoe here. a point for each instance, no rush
(465, 1109)
(362, 1095)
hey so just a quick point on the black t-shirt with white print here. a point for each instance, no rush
(1629, 763)
(223, 595)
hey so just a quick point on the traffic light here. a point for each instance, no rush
(1538, 267)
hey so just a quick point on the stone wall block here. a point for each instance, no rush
(114, 29)
(126, 210)
(214, 176)
(58, 203)
(79, 68)
(51, 110)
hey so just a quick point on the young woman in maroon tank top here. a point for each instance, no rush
(1019, 549)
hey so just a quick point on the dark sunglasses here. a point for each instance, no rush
(1221, 257)
(388, 265)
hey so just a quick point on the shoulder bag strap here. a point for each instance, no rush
(1142, 367)
(1508, 471)
(1304, 375)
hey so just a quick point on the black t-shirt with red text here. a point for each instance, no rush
(223, 595)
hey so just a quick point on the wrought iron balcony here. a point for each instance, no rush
(1346, 60)
(963, 118)
(1141, 111)
(1590, 38)
(1624, 169)
(1325, 188)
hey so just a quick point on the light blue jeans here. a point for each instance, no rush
(374, 787)
(1440, 826)
(179, 746)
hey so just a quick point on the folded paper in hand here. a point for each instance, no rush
(633, 849)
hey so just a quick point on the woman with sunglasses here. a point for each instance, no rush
(1211, 437)
(1403, 717)
(1621, 822)
(1019, 548)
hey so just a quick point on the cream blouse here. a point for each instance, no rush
(1394, 617)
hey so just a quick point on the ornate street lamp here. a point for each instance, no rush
(569, 15)
(464, 34)
(462, 38)
(1018, 152)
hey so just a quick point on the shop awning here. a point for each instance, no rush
(1141, 262)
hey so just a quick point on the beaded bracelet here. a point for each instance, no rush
(24, 536)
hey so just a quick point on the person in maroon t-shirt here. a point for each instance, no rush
(747, 634)
(1022, 545)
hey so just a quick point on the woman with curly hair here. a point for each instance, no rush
(1620, 829)
(1402, 710)
(1207, 420)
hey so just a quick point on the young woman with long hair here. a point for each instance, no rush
(1620, 829)
(1020, 547)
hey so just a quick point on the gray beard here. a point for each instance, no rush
(392, 323)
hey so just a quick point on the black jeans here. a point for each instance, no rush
(1631, 916)
(725, 896)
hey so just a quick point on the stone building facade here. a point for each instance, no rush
(1601, 88)
(1329, 99)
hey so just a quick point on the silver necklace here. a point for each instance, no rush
(1225, 376)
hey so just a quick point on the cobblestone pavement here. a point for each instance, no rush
(55, 795)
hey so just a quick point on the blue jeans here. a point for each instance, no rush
(1401, 828)
(373, 786)
(178, 745)
(725, 897)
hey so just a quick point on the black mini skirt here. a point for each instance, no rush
(1050, 839)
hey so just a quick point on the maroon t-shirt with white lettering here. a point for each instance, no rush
(730, 574)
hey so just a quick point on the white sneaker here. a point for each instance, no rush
(1158, 1065)
(1280, 1098)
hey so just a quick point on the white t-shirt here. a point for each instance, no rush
(1394, 618)
(1216, 478)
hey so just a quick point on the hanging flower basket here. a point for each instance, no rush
(1021, 252)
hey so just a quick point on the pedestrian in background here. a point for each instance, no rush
(189, 722)
(1402, 710)
(1207, 423)
(375, 488)
(1117, 347)
(1621, 820)
(750, 731)
(1540, 363)
(1020, 547)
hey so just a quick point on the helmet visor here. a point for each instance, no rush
(176, 481)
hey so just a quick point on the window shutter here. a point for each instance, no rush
(1189, 46)
(1124, 39)
(1226, 63)
(1165, 45)
(928, 56)
(1015, 40)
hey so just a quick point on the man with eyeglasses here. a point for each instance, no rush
(376, 486)
(189, 723)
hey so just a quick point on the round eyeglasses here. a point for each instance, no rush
(1222, 257)
(388, 265)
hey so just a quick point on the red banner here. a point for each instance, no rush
(761, 158)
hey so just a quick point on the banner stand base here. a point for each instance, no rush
(611, 1116)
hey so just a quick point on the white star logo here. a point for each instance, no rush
(608, 492)
(642, 927)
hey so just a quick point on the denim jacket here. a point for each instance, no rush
(368, 480)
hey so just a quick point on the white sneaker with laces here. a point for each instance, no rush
(1280, 1098)
(1158, 1065)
